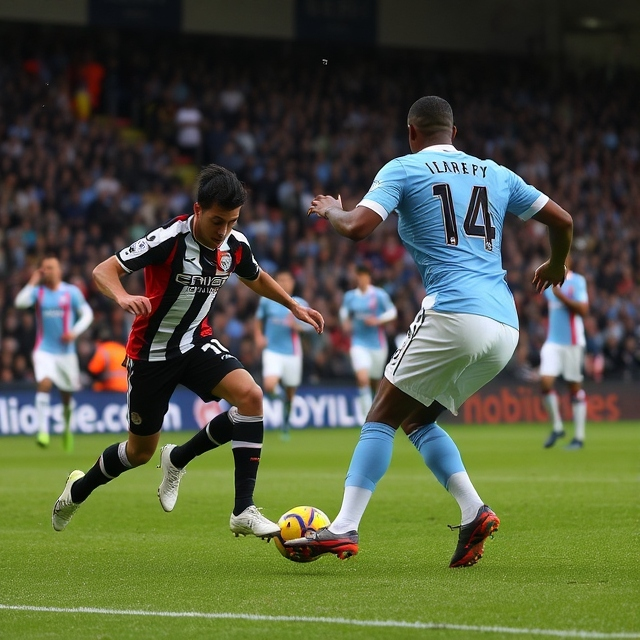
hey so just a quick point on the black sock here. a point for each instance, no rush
(109, 465)
(216, 433)
(247, 458)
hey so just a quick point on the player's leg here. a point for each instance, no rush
(457, 354)
(67, 414)
(273, 368)
(150, 388)
(241, 391)
(291, 379)
(68, 381)
(214, 373)
(43, 367)
(43, 410)
(361, 363)
(572, 373)
(550, 369)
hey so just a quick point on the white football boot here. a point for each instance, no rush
(64, 508)
(171, 476)
(252, 523)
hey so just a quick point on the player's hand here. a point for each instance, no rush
(321, 204)
(36, 277)
(310, 316)
(67, 337)
(138, 305)
(548, 275)
(371, 321)
(261, 341)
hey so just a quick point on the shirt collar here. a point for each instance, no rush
(439, 147)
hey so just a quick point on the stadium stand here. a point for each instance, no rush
(100, 142)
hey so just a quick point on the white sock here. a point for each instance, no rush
(579, 418)
(366, 399)
(43, 403)
(354, 502)
(460, 487)
(551, 404)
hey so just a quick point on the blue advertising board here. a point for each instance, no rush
(107, 412)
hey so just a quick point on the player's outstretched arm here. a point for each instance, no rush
(355, 224)
(265, 285)
(560, 224)
(107, 278)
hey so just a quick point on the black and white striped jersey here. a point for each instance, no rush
(182, 279)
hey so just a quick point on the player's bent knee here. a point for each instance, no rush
(250, 403)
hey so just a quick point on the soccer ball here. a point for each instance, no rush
(294, 524)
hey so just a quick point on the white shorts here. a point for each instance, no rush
(62, 369)
(449, 356)
(562, 360)
(288, 369)
(373, 360)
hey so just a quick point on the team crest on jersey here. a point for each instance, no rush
(137, 248)
(224, 260)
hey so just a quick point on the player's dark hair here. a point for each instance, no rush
(363, 268)
(431, 114)
(219, 186)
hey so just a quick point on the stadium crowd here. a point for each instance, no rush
(101, 137)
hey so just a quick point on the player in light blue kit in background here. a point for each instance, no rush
(62, 314)
(363, 313)
(277, 332)
(451, 209)
(562, 354)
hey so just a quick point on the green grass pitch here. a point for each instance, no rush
(565, 562)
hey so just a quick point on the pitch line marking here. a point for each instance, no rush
(345, 621)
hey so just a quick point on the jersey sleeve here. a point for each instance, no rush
(261, 311)
(247, 266)
(524, 200)
(154, 248)
(581, 293)
(384, 299)
(386, 191)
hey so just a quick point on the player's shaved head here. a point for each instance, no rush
(431, 115)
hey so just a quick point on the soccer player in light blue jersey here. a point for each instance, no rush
(363, 313)
(277, 332)
(62, 314)
(562, 354)
(451, 209)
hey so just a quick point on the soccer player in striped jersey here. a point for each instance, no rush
(277, 333)
(562, 354)
(62, 314)
(363, 313)
(451, 209)
(185, 263)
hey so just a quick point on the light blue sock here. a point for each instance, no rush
(371, 456)
(438, 450)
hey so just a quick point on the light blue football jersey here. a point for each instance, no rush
(281, 338)
(451, 208)
(566, 327)
(56, 313)
(358, 305)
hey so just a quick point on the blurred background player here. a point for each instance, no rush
(363, 313)
(277, 332)
(107, 365)
(62, 314)
(562, 354)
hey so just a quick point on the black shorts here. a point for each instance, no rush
(151, 384)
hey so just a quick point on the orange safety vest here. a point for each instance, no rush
(106, 364)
